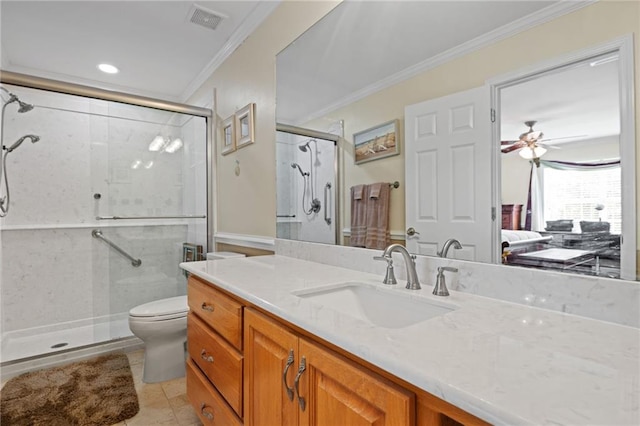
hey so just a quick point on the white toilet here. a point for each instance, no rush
(162, 326)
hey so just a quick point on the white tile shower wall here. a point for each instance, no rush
(59, 275)
(194, 134)
(605, 299)
(291, 187)
(58, 272)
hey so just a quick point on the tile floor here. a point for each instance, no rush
(160, 403)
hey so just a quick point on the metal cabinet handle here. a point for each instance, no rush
(296, 383)
(284, 375)
(207, 414)
(206, 357)
(206, 307)
(327, 188)
(411, 232)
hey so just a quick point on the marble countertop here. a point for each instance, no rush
(505, 363)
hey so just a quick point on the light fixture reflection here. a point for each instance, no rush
(136, 164)
(148, 164)
(157, 144)
(173, 146)
(529, 154)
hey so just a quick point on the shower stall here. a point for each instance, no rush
(102, 209)
(306, 175)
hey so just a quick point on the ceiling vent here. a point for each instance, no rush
(204, 17)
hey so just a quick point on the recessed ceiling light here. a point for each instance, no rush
(109, 69)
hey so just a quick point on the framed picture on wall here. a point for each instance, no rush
(245, 126)
(377, 142)
(228, 135)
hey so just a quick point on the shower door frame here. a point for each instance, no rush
(33, 82)
(309, 133)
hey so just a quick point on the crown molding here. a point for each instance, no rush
(248, 26)
(527, 22)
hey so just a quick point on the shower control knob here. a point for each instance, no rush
(97, 196)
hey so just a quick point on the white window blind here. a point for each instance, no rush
(574, 194)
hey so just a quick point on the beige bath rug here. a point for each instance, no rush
(96, 392)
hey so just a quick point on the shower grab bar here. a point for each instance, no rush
(150, 217)
(96, 233)
(327, 188)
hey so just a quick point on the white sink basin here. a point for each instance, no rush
(383, 307)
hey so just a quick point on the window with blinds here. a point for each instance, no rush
(589, 195)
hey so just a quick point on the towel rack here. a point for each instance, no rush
(395, 184)
(150, 217)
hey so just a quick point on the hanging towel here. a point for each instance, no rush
(377, 216)
(358, 216)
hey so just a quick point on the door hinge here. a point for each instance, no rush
(493, 213)
(493, 115)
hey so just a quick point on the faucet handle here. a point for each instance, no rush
(390, 276)
(441, 269)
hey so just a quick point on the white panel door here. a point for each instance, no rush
(448, 175)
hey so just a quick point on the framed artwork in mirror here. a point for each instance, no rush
(377, 142)
(245, 126)
(228, 136)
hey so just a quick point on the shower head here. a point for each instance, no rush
(294, 165)
(24, 107)
(305, 146)
(17, 143)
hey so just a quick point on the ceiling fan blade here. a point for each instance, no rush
(566, 137)
(508, 142)
(514, 147)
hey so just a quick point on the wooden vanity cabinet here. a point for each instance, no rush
(290, 380)
(215, 364)
(248, 367)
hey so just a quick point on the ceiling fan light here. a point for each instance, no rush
(529, 154)
(173, 146)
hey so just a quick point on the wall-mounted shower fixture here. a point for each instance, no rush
(22, 106)
(17, 143)
(4, 182)
(294, 165)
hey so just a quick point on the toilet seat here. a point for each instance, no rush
(160, 310)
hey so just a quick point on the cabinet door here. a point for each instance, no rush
(339, 392)
(267, 348)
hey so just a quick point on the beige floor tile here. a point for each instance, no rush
(135, 357)
(183, 411)
(175, 387)
(148, 416)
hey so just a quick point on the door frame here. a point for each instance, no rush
(624, 47)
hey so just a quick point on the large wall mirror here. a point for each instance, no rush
(558, 178)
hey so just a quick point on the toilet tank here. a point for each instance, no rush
(218, 255)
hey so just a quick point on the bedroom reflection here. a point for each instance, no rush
(561, 173)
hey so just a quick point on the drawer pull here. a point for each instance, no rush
(207, 414)
(296, 383)
(284, 375)
(206, 357)
(206, 307)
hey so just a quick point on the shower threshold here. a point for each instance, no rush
(38, 341)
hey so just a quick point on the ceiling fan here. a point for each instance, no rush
(529, 144)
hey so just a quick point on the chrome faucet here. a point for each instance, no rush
(440, 288)
(450, 242)
(413, 283)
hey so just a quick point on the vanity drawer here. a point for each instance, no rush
(218, 310)
(207, 402)
(219, 361)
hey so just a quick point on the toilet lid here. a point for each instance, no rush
(170, 306)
